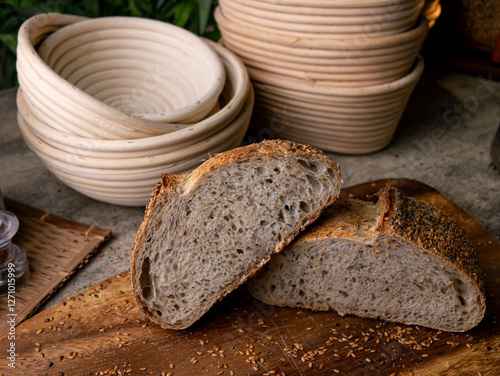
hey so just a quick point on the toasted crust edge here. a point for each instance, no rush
(175, 184)
(436, 234)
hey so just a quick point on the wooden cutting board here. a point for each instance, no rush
(101, 331)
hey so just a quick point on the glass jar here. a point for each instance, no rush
(14, 268)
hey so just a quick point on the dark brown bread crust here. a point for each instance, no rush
(263, 148)
(425, 226)
(174, 184)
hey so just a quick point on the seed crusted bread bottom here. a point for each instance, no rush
(206, 232)
(399, 260)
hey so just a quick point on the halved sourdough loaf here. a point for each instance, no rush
(399, 260)
(206, 232)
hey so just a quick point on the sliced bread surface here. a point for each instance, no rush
(399, 260)
(206, 232)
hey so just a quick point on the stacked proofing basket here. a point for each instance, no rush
(110, 104)
(336, 74)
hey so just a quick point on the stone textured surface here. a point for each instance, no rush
(443, 140)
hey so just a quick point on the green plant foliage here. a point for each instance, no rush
(194, 15)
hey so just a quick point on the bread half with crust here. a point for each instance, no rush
(398, 260)
(206, 232)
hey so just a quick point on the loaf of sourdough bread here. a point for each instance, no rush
(399, 260)
(206, 232)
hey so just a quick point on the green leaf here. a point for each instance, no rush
(182, 13)
(203, 14)
(10, 41)
(134, 10)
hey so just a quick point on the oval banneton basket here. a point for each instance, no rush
(346, 131)
(117, 170)
(316, 26)
(332, 74)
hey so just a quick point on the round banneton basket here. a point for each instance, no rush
(123, 170)
(127, 181)
(162, 79)
(232, 99)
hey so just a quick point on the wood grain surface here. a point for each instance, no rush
(100, 331)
